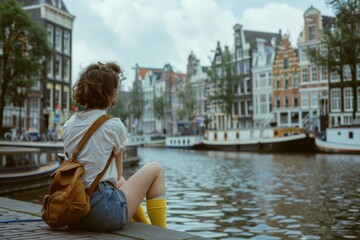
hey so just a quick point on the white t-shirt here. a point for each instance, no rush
(96, 151)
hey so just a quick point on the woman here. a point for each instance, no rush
(115, 201)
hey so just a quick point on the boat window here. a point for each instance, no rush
(339, 133)
(225, 135)
(237, 135)
(276, 133)
(183, 141)
(351, 135)
(215, 136)
(285, 134)
(188, 141)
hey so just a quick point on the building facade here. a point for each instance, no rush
(50, 102)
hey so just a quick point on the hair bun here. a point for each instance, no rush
(113, 66)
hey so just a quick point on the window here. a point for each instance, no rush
(286, 82)
(286, 63)
(314, 99)
(358, 98)
(303, 54)
(294, 79)
(263, 104)
(240, 68)
(295, 100)
(351, 135)
(348, 99)
(334, 77)
(66, 41)
(50, 33)
(50, 68)
(313, 73)
(242, 104)
(312, 33)
(48, 98)
(58, 66)
(335, 99)
(323, 73)
(304, 99)
(58, 39)
(286, 101)
(347, 73)
(218, 59)
(278, 101)
(270, 102)
(239, 53)
(66, 69)
(323, 50)
(277, 81)
(304, 75)
(247, 66)
(218, 72)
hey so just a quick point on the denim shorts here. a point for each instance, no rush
(108, 210)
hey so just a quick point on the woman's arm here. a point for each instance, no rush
(119, 167)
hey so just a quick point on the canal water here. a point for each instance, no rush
(232, 195)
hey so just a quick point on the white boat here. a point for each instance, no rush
(260, 140)
(146, 140)
(186, 141)
(340, 140)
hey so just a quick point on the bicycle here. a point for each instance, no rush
(13, 135)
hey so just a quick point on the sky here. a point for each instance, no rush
(154, 33)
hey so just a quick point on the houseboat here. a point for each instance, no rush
(184, 141)
(260, 140)
(146, 140)
(340, 140)
(24, 168)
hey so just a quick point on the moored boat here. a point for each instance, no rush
(24, 168)
(184, 141)
(340, 140)
(260, 140)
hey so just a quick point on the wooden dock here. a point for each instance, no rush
(19, 220)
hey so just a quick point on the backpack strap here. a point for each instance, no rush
(92, 187)
(88, 134)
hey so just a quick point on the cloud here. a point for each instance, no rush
(274, 16)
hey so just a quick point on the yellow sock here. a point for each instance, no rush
(156, 209)
(139, 215)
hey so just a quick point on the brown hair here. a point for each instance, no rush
(98, 85)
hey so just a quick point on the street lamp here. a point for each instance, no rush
(21, 90)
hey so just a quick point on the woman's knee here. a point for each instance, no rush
(156, 168)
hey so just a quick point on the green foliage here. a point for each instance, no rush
(120, 109)
(137, 99)
(187, 97)
(343, 43)
(24, 50)
(159, 107)
(224, 85)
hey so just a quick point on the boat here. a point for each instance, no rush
(280, 139)
(146, 140)
(184, 141)
(24, 168)
(344, 139)
(50, 150)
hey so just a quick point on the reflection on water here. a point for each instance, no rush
(231, 195)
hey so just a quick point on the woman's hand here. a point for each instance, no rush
(120, 182)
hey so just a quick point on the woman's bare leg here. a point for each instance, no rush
(149, 181)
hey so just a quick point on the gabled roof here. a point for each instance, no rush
(251, 36)
(142, 71)
(55, 3)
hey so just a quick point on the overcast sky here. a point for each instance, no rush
(153, 33)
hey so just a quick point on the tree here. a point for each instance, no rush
(188, 101)
(120, 109)
(24, 51)
(159, 107)
(343, 43)
(224, 94)
(137, 100)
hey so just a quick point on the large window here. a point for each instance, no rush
(314, 99)
(286, 63)
(58, 66)
(58, 39)
(305, 99)
(67, 42)
(263, 105)
(294, 79)
(348, 99)
(303, 54)
(295, 100)
(313, 73)
(335, 99)
(323, 73)
(50, 33)
(278, 101)
(66, 69)
(247, 66)
(312, 33)
(304, 74)
(286, 101)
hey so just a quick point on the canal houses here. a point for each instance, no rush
(249, 44)
(314, 79)
(285, 81)
(262, 88)
(49, 103)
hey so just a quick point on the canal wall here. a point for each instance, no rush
(19, 220)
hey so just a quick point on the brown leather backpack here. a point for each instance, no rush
(68, 201)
